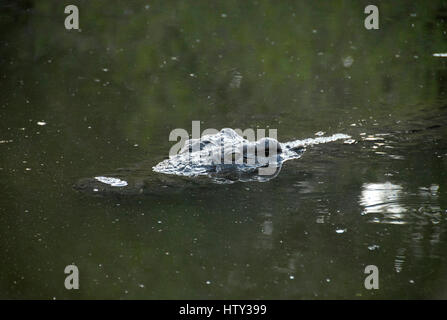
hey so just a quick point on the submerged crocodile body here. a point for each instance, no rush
(224, 157)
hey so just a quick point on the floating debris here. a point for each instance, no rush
(350, 141)
(236, 81)
(114, 182)
(348, 61)
(441, 55)
(41, 123)
(373, 138)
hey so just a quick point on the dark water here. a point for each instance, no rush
(81, 103)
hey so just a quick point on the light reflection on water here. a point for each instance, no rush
(383, 198)
(388, 203)
(82, 104)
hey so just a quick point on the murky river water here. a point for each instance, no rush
(77, 104)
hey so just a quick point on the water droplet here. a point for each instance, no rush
(348, 61)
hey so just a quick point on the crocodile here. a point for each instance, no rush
(222, 158)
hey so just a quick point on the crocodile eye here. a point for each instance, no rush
(203, 144)
(278, 148)
(264, 145)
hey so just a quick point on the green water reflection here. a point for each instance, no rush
(109, 95)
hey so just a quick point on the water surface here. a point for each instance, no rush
(77, 104)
